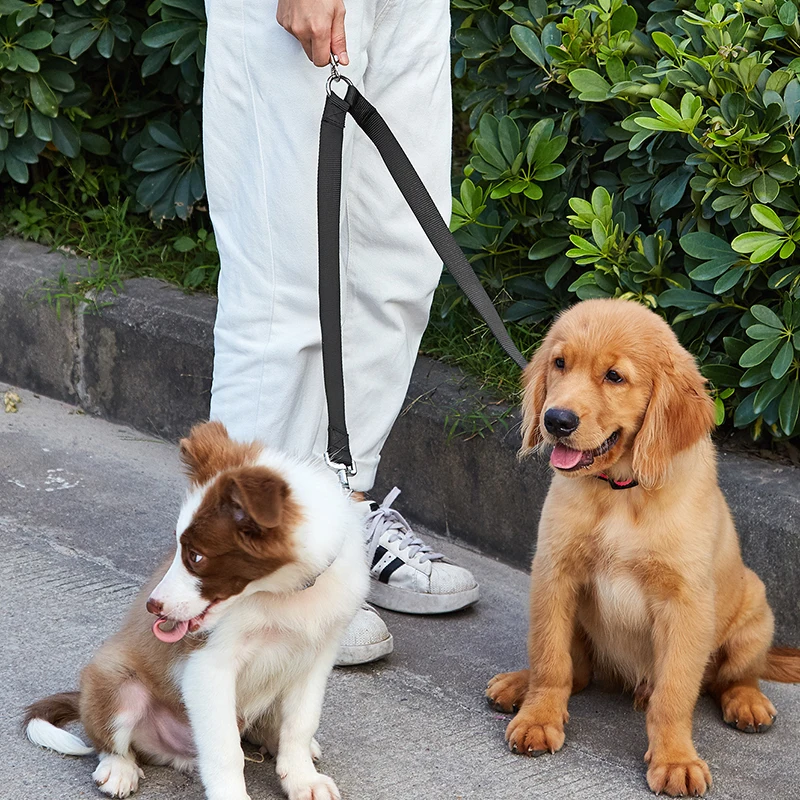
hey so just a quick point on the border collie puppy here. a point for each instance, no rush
(269, 570)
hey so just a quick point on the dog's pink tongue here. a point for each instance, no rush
(564, 457)
(175, 634)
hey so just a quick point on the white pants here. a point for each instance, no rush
(262, 107)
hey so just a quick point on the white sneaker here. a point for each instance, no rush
(366, 639)
(408, 575)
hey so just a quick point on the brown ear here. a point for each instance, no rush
(679, 414)
(202, 450)
(209, 450)
(256, 496)
(534, 382)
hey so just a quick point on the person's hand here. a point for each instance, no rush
(318, 25)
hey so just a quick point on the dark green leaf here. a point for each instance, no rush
(722, 374)
(43, 96)
(783, 360)
(65, 137)
(545, 248)
(95, 143)
(789, 407)
(767, 316)
(154, 186)
(35, 39)
(166, 136)
(528, 43)
(82, 42)
(744, 412)
(156, 158)
(758, 352)
(706, 246)
(767, 393)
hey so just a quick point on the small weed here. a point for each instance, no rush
(112, 245)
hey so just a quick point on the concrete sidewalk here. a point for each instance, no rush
(87, 509)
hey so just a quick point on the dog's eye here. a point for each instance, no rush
(559, 362)
(195, 557)
(613, 376)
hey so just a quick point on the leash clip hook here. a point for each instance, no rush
(343, 471)
(335, 75)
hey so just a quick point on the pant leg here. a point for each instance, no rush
(262, 107)
(391, 268)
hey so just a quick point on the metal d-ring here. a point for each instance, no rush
(335, 75)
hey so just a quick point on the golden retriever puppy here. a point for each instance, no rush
(637, 572)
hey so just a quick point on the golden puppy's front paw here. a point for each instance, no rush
(690, 778)
(746, 708)
(506, 691)
(534, 734)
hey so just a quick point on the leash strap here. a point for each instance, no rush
(329, 184)
(329, 192)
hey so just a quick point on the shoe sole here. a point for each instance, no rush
(352, 655)
(405, 601)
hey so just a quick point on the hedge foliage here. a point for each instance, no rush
(106, 93)
(617, 149)
(647, 152)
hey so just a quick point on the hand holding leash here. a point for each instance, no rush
(318, 25)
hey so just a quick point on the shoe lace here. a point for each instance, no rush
(385, 518)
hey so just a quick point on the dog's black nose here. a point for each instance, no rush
(561, 421)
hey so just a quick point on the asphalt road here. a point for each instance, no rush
(87, 509)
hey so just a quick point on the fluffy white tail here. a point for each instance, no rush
(45, 734)
(43, 721)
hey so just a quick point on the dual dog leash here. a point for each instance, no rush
(329, 189)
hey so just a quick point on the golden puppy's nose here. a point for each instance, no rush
(560, 422)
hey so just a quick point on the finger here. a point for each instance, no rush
(338, 41)
(306, 43)
(321, 48)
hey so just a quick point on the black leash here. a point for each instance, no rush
(329, 186)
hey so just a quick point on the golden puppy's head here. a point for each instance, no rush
(611, 385)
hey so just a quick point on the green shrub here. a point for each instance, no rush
(616, 149)
(646, 152)
(102, 97)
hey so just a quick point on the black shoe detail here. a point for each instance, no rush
(380, 552)
(387, 571)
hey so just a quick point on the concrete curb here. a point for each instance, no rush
(146, 361)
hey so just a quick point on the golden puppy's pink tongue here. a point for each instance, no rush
(175, 634)
(564, 457)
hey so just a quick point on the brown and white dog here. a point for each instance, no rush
(637, 573)
(269, 569)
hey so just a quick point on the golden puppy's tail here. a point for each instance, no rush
(45, 718)
(783, 665)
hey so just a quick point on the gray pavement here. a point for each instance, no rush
(87, 509)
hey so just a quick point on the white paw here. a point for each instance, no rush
(317, 787)
(117, 776)
(316, 750)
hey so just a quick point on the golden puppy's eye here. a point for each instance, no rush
(614, 377)
(195, 557)
(559, 362)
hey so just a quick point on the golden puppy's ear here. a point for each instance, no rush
(679, 414)
(534, 394)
